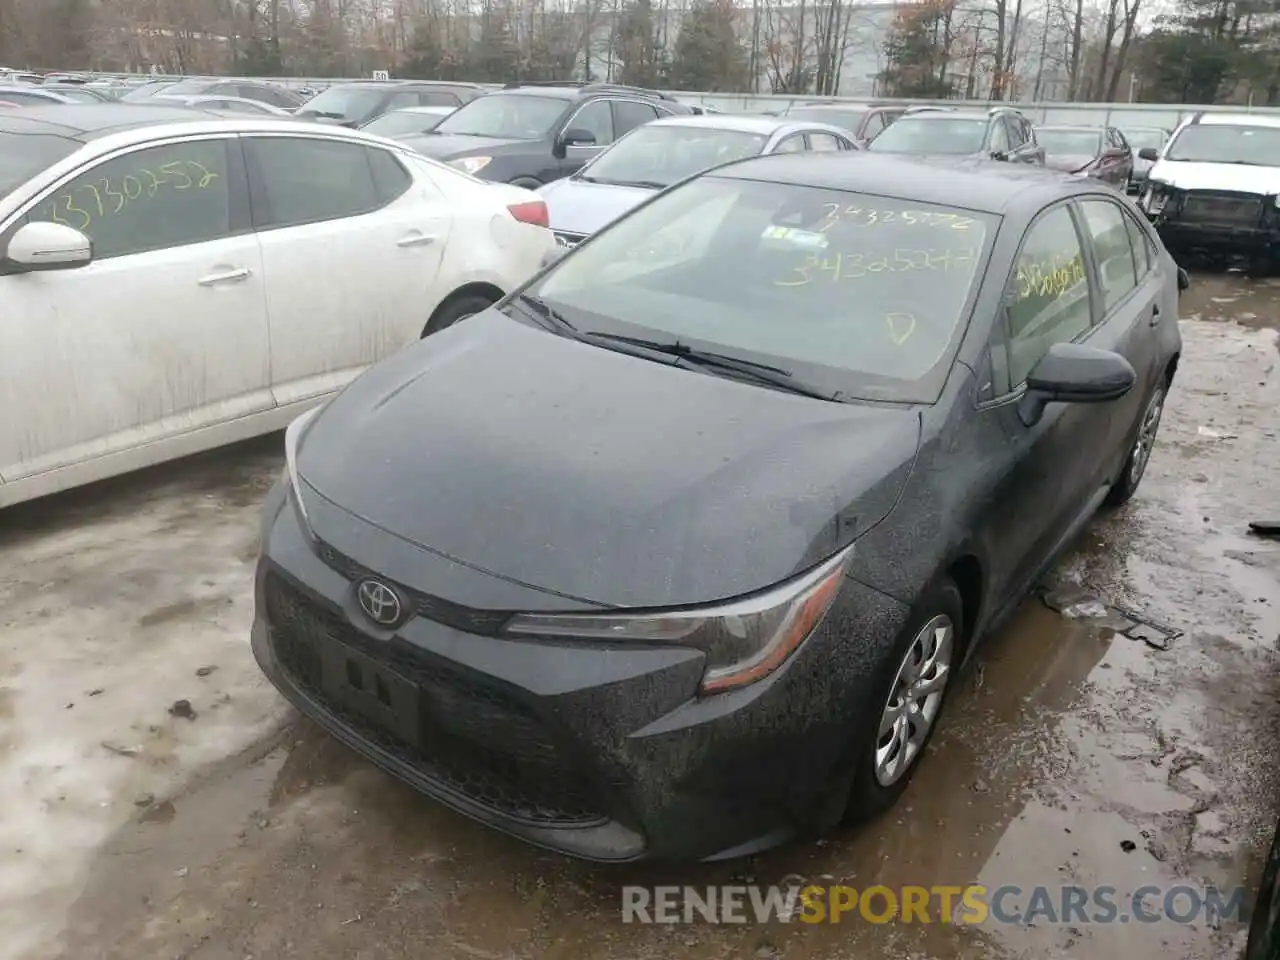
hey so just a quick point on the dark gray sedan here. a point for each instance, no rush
(675, 552)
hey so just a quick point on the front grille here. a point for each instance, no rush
(1225, 208)
(473, 737)
(566, 239)
(455, 615)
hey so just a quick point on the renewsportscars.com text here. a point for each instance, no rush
(973, 904)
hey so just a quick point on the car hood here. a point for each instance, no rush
(1185, 175)
(444, 146)
(1068, 162)
(576, 206)
(599, 476)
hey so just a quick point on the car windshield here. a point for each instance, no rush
(952, 135)
(848, 119)
(1226, 143)
(512, 116)
(344, 103)
(23, 155)
(1141, 139)
(1078, 142)
(853, 294)
(661, 155)
(148, 90)
(400, 122)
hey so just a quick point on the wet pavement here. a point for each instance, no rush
(1069, 754)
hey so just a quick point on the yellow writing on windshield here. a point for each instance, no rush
(901, 327)
(869, 217)
(1050, 276)
(91, 200)
(854, 266)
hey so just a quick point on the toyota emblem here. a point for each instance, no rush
(379, 602)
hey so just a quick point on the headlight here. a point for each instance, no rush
(1154, 200)
(744, 640)
(471, 165)
(292, 437)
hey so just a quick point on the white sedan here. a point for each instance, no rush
(171, 282)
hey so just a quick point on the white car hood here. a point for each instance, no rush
(575, 206)
(1185, 175)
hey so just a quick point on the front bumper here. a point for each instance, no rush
(600, 752)
(1215, 221)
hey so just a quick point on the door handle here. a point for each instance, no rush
(1155, 315)
(227, 276)
(416, 240)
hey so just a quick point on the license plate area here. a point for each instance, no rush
(371, 690)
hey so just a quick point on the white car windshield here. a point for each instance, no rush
(505, 116)
(658, 156)
(855, 294)
(1226, 143)
(939, 136)
(1065, 142)
(22, 156)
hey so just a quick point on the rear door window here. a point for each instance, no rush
(297, 180)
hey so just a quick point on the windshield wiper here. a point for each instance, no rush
(548, 315)
(763, 372)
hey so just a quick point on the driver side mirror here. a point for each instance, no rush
(1149, 153)
(1184, 280)
(1074, 373)
(577, 137)
(40, 246)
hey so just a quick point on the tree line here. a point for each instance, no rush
(1198, 51)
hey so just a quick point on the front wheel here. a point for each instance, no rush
(455, 309)
(912, 685)
(1135, 464)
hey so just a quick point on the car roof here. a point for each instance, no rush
(930, 116)
(741, 122)
(834, 107)
(559, 93)
(27, 88)
(1081, 127)
(981, 185)
(1239, 119)
(88, 121)
(398, 84)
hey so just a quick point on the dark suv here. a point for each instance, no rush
(1000, 133)
(355, 103)
(863, 120)
(531, 134)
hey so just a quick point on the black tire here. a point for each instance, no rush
(456, 308)
(868, 795)
(1135, 463)
(529, 183)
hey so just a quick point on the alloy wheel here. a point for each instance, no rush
(1146, 441)
(915, 699)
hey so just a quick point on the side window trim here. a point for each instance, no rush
(239, 222)
(1001, 326)
(1092, 270)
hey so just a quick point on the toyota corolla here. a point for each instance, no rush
(675, 552)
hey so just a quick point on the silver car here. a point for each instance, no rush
(1140, 138)
(662, 152)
